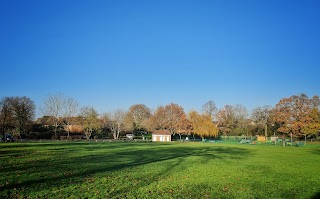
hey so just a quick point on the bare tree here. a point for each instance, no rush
(210, 108)
(116, 122)
(70, 111)
(241, 114)
(53, 106)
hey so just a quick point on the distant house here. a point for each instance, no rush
(45, 121)
(161, 136)
(75, 125)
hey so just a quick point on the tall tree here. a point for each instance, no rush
(313, 126)
(174, 114)
(54, 106)
(233, 120)
(116, 122)
(293, 113)
(202, 125)
(70, 111)
(226, 117)
(6, 116)
(159, 118)
(169, 116)
(210, 108)
(23, 112)
(184, 126)
(137, 116)
(261, 117)
(151, 124)
(241, 114)
(90, 119)
(16, 114)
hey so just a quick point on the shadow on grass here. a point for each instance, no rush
(316, 196)
(316, 152)
(72, 162)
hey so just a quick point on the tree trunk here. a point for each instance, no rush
(118, 133)
(114, 135)
(68, 132)
(55, 131)
(291, 138)
(305, 139)
(88, 134)
(266, 132)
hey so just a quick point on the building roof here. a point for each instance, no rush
(161, 132)
(45, 120)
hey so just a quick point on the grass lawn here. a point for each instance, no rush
(158, 170)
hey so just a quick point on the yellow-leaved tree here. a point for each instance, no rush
(202, 125)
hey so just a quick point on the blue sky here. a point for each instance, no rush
(113, 54)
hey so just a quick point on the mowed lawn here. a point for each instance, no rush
(158, 170)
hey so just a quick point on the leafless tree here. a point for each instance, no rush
(210, 108)
(54, 106)
(70, 111)
(116, 122)
(242, 124)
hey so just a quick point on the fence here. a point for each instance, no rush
(237, 138)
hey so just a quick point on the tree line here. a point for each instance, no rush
(295, 116)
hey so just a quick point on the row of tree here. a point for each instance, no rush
(297, 116)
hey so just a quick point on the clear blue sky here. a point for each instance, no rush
(113, 54)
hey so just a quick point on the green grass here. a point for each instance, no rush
(158, 170)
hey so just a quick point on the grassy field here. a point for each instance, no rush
(158, 170)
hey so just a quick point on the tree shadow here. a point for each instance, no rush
(73, 162)
(316, 196)
(316, 152)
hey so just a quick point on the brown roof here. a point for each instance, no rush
(161, 132)
(45, 120)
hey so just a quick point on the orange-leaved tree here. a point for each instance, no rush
(294, 114)
(313, 126)
(168, 117)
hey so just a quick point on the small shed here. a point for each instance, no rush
(261, 138)
(161, 136)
